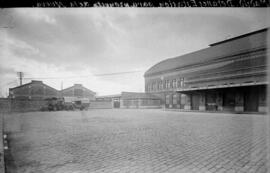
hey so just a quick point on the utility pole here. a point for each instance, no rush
(20, 75)
(61, 89)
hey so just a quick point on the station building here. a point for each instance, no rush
(230, 75)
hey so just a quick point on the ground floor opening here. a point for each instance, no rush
(236, 99)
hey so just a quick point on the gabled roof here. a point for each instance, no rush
(224, 48)
(78, 85)
(33, 82)
(136, 95)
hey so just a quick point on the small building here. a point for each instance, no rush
(114, 99)
(130, 100)
(35, 90)
(139, 100)
(230, 75)
(78, 91)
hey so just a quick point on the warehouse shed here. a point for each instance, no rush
(230, 75)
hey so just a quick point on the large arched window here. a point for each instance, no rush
(160, 85)
(169, 84)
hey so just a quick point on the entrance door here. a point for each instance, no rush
(195, 101)
(251, 100)
(116, 104)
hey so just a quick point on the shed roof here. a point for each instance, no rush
(224, 48)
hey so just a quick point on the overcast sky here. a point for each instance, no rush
(77, 44)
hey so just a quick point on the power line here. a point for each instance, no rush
(118, 73)
(9, 83)
(85, 76)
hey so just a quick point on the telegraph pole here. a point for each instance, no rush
(61, 89)
(20, 75)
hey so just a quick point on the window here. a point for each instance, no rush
(149, 87)
(174, 83)
(178, 83)
(181, 82)
(154, 86)
(168, 84)
(160, 85)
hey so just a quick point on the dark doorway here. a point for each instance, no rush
(229, 100)
(116, 104)
(195, 101)
(211, 103)
(251, 99)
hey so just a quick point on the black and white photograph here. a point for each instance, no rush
(134, 90)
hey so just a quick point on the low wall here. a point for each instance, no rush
(100, 105)
(14, 105)
(27, 105)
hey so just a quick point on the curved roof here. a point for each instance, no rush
(224, 48)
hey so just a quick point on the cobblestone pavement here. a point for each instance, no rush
(136, 141)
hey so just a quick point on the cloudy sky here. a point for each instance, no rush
(77, 45)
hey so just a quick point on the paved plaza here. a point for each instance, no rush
(129, 141)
